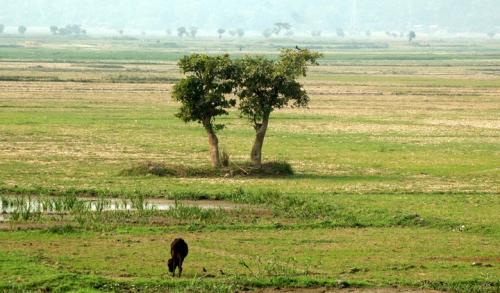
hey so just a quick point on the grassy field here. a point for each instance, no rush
(396, 163)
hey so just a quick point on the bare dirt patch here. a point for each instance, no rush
(348, 290)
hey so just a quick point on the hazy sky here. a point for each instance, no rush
(256, 15)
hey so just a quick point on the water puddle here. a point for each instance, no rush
(56, 205)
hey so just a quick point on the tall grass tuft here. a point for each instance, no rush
(138, 202)
(225, 158)
(194, 213)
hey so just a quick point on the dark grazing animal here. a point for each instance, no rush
(178, 251)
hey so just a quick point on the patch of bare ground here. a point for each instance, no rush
(347, 290)
(17, 86)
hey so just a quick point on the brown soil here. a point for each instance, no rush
(348, 290)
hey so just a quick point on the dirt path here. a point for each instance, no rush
(348, 290)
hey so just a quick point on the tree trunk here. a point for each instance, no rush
(256, 155)
(213, 143)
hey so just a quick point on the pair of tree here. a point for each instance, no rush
(2, 28)
(183, 31)
(262, 85)
(277, 28)
(238, 32)
(282, 26)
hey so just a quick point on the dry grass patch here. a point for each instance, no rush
(147, 168)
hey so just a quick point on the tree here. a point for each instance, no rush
(280, 26)
(169, 32)
(121, 32)
(193, 31)
(264, 85)
(411, 36)
(232, 33)
(22, 29)
(491, 35)
(221, 31)
(202, 94)
(181, 31)
(54, 29)
(2, 28)
(340, 33)
(240, 32)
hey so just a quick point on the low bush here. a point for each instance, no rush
(230, 169)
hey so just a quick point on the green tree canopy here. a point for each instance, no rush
(264, 85)
(202, 94)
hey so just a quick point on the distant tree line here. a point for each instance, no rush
(192, 32)
(69, 30)
(278, 29)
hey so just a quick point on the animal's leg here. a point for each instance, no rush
(180, 266)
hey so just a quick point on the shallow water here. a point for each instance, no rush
(9, 205)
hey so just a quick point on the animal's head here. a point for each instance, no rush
(170, 265)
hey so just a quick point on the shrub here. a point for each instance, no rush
(148, 168)
(274, 168)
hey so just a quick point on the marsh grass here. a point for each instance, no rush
(139, 202)
(289, 212)
(28, 208)
(196, 214)
(102, 214)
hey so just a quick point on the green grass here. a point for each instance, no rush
(265, 258)
(395, 171)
